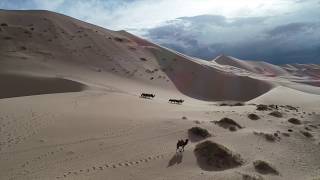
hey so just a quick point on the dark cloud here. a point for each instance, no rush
(253, 38)
(294, 28)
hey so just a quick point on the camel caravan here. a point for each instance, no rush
(150, 96)
(176, 101)
(147, 95)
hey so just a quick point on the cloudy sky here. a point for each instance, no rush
(277, 31)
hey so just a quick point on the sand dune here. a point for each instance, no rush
(264, 68)
(15, 85)
(70, 108)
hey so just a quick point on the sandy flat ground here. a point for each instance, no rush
(99, 134)
(70, 107)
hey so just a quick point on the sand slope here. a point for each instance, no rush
(53, 40)
(70, 108)
(15, 85)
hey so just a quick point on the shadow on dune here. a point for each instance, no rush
(13, 85)
(176, 159)
(208, 83)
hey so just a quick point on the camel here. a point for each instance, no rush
(182, 144)
(176, 101)
(146, 95)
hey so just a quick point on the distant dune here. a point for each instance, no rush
(252, 66)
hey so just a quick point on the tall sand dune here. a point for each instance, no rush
(55, 40)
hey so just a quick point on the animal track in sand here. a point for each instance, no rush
(111, 166)
(18, 128)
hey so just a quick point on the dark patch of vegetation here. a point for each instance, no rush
(264, 168)
(276, 114)
(228, 123)
(290, 130)
(251, 177)
(4, 24)
(253, 116)
(291, 108)
(232, 128)
(198, 133)
(267, 136)
(273, 106)
(306, 134)
(307, 128)
(294, 121)
(184, 118)
(239, 104)
(262, 107)
(313, 126)
(143, 59)
(215, 157)
(148, 71)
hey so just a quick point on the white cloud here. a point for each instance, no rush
(146, 13)
(51, 5)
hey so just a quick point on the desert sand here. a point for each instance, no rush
(70, 108)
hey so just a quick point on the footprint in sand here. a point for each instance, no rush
(118, 165)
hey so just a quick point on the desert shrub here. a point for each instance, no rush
(232, 128)
(276, 114)
(251, 177)
(239, 104)
(216, 157)
(307, 128)
(291, 108)
(262, 107)
(199, 132)
(264, 168)
(267, 136)
(294, 121)
(228, 123)
(253, 116)
(4, 24)
(306, 134)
